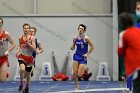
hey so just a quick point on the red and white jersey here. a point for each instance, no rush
(129, 47)
(3, 43)
(24, 47)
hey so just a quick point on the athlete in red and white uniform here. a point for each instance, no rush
(25, 58)
(4, 51)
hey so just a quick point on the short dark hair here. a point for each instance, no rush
(126, 20)
(33, 28)
(26, 24)
(85, 27)
(1, 20)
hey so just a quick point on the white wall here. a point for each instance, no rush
(73, 6)
(56, 34)
(55, 6)
(23, 6)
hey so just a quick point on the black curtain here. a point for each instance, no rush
(127, 6)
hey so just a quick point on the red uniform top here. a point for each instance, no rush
(3, 43)
(129, 47)
(3, 48)
(3, 35)
(26, 51)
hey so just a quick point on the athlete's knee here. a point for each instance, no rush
(22, 70)
(79, 74)
(75, 72)
(28, 75)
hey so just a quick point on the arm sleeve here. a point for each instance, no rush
(121, 44)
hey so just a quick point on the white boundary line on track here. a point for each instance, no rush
(90, 90)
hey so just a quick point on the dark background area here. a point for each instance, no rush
(127, 6)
